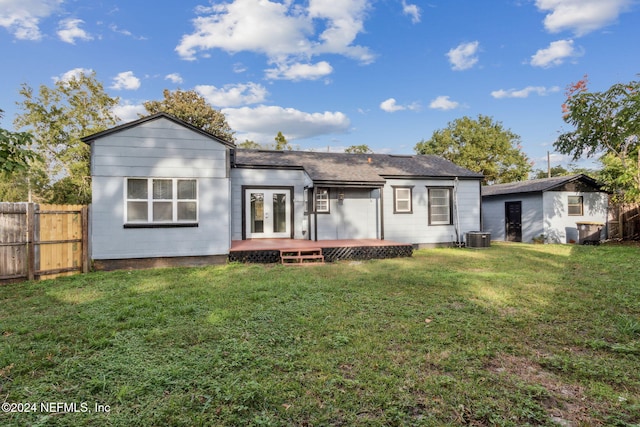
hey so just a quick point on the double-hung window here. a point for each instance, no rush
(575, 207)
(322, 200)
(440, 206)
(402, 202)
(161, 201)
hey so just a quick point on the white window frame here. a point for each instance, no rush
(149, 200)
(396, 199)
(322, 191)
(580, 205)
(449, 221)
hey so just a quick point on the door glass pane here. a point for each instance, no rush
(279, 213)
(257, 212)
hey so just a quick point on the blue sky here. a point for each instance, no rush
(332, 73)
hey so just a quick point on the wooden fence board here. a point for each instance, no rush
(61, 224)
(43, 241)
(13, 240)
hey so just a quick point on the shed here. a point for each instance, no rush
(546, 209)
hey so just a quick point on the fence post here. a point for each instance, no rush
(85, 239)
(31, 263)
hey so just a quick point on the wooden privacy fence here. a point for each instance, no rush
(629, 214)
(42, 241)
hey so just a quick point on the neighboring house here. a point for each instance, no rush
(548, 208)
(163, 188)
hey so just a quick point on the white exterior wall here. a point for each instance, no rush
(494, 216)
(268, 178)
(158, 148)
(355, 217)
(414, 228)
(559, 226)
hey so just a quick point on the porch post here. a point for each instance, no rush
(315, 214)
(381, 213)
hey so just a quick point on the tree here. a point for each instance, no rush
(248, 144)
(482, 146)
(359, 149)
(555, 171)
(189, 106)
(57, 118)
(607, 124)
(15, 153)
(282, 143)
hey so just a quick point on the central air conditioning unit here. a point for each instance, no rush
(478, 239)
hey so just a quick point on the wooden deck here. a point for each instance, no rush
(269, 250)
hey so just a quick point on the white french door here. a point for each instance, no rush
(268, 213)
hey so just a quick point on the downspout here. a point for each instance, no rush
(455, 207)
(480, 201)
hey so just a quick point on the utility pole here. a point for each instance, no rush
(548, 165)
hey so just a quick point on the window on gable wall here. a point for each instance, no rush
(575, 206)
(161, 201)
(402, 200)
(440, 206)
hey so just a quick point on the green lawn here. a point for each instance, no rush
(510, 335)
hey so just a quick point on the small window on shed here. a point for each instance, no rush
(575, 206)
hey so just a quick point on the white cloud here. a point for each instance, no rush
(555, 54)
(69, 31)
(581, 16)
(22, 17)
(524, 93)
(262, 123)
(464, 56)
(279, 30)
(391, 106)
(411, 10)
(174, 78)
(118, 30)
(125, 80)
(299, 71)
(443, 103)
(72, 74)
(233, 95)
(239, 67)
(128, 112)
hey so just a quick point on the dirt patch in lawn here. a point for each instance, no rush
(565, 403)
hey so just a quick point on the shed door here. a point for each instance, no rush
(513, 221)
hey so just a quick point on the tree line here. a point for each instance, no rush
(47, 162)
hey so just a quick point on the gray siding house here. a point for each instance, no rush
(164, 189)
(549, 207)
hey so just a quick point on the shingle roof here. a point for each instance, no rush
(534, 185)
(353, 169)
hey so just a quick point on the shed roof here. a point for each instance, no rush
(536, 185)
(354, 169)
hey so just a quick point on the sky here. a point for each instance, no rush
(330, 74)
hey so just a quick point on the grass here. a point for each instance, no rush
(512, 335)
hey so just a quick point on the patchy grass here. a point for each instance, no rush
(512, 335)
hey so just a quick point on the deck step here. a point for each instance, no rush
(310, 256)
